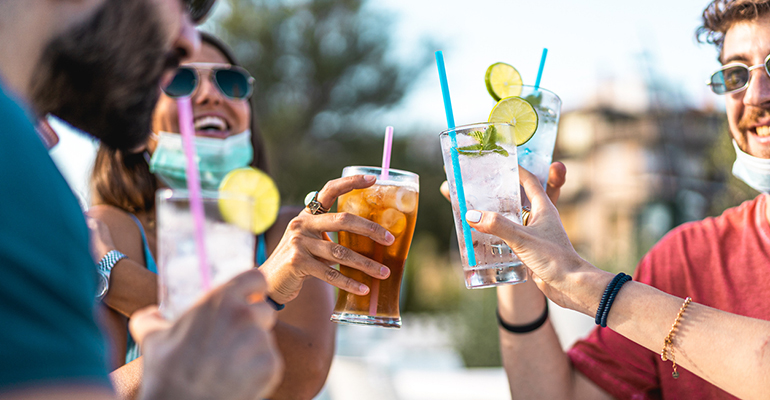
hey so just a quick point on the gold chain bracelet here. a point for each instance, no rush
(668, 344)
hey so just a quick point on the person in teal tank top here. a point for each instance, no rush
(292, 256)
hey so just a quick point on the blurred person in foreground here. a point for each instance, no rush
(719, 262)
(98, 64)
(227, 137)
(725, 351)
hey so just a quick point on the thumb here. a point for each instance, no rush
(495, 224)
(146, 321)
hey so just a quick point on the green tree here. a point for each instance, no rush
(322, 71)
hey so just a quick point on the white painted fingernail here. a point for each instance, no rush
(370, 178)
(473, 216)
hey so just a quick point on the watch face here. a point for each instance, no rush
(101, 285)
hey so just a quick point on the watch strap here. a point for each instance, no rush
(109, 260)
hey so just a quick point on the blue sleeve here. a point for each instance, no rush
(48, 334)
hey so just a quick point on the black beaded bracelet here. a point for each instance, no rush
(519, 329)
(609, 297)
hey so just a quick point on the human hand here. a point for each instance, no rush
(305, 249)
(221, 348)
(557, 177)
(100, 237)
(542, 245)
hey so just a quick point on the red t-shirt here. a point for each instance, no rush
(721, 262)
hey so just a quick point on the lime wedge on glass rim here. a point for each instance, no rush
(502, 81)
(519, 113)
(257, 216)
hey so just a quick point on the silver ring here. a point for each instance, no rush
(525, 213)
(313, 205)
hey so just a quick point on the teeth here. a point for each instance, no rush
(763, 131)
(210, 122)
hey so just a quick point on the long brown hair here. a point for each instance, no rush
(124, 180)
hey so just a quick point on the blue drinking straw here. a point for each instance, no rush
(450, 120)
(540, 70)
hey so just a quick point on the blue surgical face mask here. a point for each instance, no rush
(216, 157)
(754, 171)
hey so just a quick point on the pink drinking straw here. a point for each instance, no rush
(375, 289)
(186, 128)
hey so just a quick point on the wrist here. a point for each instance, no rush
(587, 285)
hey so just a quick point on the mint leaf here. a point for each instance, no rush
(478, 135)
(487, 142)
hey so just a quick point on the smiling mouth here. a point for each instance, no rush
(762, 131)
(213, 126)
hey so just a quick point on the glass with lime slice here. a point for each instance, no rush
(535, 133)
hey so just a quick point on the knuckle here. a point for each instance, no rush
(332, 275)
(340, 252)
(295, 224)
(343, 217)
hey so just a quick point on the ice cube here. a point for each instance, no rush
(392, 220)
(406, 200)
(355, 204)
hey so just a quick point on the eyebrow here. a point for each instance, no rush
(735, 58)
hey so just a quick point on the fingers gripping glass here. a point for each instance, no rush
(198, 9)
(735, 77)
(232, 81)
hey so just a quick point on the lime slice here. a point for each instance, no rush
(256, 217)
(502, 81)
(519, 113)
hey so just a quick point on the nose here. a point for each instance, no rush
(188, 43)
(758, 92)
(207, 92)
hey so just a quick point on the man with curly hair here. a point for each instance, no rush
(720, 262)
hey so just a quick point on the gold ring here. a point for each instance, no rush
(313, 205)
(525, 213)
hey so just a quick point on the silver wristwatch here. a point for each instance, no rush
(103, 270)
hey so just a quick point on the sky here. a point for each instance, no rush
(591, 43)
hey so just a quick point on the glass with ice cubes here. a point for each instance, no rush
(486, 155)
(392, 203)
(229, 247)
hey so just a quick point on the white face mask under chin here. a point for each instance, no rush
(752, 170)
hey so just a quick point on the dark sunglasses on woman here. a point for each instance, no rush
(232, 81)
(734, 77)
(198, 9)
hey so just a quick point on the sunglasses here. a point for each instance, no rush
(232, 81)
(735, 77)
(198, 9)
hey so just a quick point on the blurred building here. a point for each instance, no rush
(633, 174)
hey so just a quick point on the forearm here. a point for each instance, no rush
(127, 379)
(535, 363)
(307, 360)
(132, 287)
(730, 351)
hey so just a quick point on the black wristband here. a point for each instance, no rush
(605, 297)
(623, 279)
(272, 303)
(519, 329)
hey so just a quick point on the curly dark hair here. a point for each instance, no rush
(721, 15)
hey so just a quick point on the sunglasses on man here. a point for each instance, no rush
(232, 81)
(734, 77)
(198, 9)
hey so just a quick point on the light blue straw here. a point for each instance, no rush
(450, 120)
(540, 70)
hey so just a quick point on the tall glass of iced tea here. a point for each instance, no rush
(392, 203)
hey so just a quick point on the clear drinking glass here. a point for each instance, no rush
(229, 247)
(536, 154)
(490, 181)
(392, 203)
